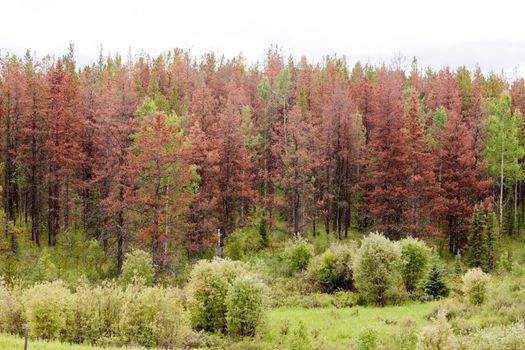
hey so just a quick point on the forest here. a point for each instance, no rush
(159, 178)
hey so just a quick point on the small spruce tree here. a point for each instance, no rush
(435, 283)
(477, 255)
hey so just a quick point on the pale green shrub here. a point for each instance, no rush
(415, 257)
(95, 314)
(12, 317)
(47, 306)
(298, 253)
(376, 268)
(247, 302)
(438, 336)
(153, 316)
(137, 265)
(475, 283)
(207, 289)
(496, 338)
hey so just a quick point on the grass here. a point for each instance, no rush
(11, 342)
(340, 326)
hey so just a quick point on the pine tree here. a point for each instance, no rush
(461, 179)
(477, 252)
(435, 283)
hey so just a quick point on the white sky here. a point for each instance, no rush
(438, 32)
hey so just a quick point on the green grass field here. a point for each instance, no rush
(341, 325)
(11, 342)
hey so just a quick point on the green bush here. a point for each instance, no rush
(333, 269)
(137, 265)
(47, 306)
(415, 257)
(435, 283)
(475, 283)
(367, 340)
(247, 301)
(96, 321)
(153, 316)
(438, 336)
(45, 269)
(242, 243)
(376, 268)
(298, 253)
(207, 290)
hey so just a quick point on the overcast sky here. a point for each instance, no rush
(438, 32)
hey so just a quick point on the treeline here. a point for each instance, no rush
(173, 149)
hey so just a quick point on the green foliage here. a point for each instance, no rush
(137, 266)
(477, 253)
(242, 243)
(96, 321)
(153, 316)
(475, 284)
(264, 234)
(45, 269)
(246, 302)
(333, 269)
(376, 268)
(503, 263)
(492, 238)
(12, 316)
(503, 147)
(500, 337)
(300, 339)
(298, 253)
(435, 283)
(438, 336)
(207, 289)
(415, 257)
(367, 340)
(47, 306)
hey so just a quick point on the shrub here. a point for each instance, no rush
(415, 256)
(502, 338)
(243, 242)
(333, 269)
(438, 336)
(207, 289)
(137, 265)
(376, 268)
(298, 253)
(367, 340)
(246, 301)
(322, 270)
(45, 269)
(12, 317)
(300, 338)
(47, 306)
(475, 286)
(153, 316)
(435, 283)
(503, 263)
(96, 321)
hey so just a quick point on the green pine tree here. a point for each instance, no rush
(435, 283)
(477, 255)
